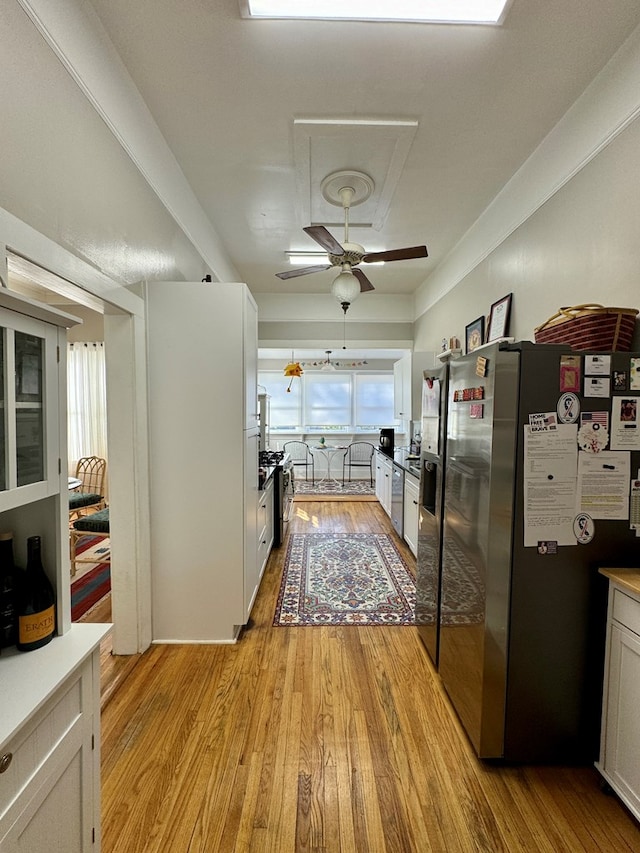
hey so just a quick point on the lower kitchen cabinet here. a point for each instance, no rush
(620, 736)
(265, 526)
(384, 470)
(50, 745)
(411, 512)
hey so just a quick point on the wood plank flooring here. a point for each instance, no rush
(328, 740)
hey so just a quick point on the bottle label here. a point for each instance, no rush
(36, 626)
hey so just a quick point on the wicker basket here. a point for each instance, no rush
(590, 327)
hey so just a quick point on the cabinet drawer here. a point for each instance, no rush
(36, 742)
(626, 610)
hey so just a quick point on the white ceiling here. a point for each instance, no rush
(257, 113)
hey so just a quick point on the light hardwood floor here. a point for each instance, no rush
(328, 740)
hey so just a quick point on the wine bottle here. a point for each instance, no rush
(8, 618)
(36, 602)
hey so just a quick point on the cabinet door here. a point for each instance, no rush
(251, 530)
(402, 388)
(622, 722)
(251, 410)
(411, 492)
(29, 451)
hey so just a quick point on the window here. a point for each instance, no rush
(373, 401)
(343, 402)
(284, 406)
(327, 401)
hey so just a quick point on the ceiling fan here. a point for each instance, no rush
(348, 189)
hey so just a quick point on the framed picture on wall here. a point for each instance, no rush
(474, 335)
(499, 319)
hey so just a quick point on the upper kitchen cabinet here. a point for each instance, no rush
(33, 435)
(251, 408)
(203, 439)
(407, 385)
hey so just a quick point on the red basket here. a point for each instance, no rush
(590, 327)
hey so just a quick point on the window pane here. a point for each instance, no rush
(284, 405)
(327, 400)
(373, 401)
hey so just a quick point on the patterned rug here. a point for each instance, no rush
(344, 579)
(354, 488)
(93, 580)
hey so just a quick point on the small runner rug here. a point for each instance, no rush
(92, 585)
(344, 579)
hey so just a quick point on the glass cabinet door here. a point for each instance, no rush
(29, 417)
(28, 355)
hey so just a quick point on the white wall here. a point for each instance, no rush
(563, 230)
(581, 246)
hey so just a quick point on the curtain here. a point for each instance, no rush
(87, 401)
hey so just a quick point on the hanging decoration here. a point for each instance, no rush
(293, 369)
(319, 363)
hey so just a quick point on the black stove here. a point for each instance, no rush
(270, 457)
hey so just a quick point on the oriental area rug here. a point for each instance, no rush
(92, 581)
(359, 489)
(344, 579)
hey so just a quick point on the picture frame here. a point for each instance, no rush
(499, 315)
(474, 335)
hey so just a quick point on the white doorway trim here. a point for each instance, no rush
(125, 347)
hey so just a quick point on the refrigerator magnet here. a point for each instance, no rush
(619, 380)
(583, 528)
(592, 437)
(570, 373)
(568, 408)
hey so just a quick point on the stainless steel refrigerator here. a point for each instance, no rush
(429, 550)
(543, 446)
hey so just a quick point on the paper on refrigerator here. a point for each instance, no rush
(550, 484)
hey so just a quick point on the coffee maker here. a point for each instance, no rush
(387, 441)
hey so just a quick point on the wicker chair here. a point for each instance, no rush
(301, 456)
(95, 525)
(359, 454)
(89, 495)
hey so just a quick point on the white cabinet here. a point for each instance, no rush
(411, 511)
(384, 470)
(50, 705)
(202, 358)
(407, 384)
(620, 735)
(402, 388)
(265, 526)
(50, 746)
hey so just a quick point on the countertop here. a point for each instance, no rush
(407, 461)
(627, 578)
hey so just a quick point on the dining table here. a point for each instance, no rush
(328, 451)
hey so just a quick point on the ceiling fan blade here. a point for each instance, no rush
(396, 254)
(320, 234)
(365, 284)
(302, 271)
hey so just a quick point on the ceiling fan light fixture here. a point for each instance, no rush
(345, 287)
